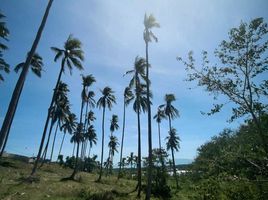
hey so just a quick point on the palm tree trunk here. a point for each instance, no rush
(61, 143)
(44, 155)
(174, 168)
(6, 138)
(89, 151)
(160, 148)
(52, 149)
(47, 119)
(150, 168)
(74, 149)
(17, 91)
(76, 162)
(122, 141)
(102, 143)
(139, 154)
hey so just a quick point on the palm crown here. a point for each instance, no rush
(114, 123)
(149, 23)
(107, 99)
(159, 115)
(169, 109)
(71, 54)
(173, 140)
(36, 65)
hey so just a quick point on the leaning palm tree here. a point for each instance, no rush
(140, 103)
(158, 118)
(17, 91)
(128, 97)
(106, 100)
(71, 55)
(68, 126)
(149, 23)
(4, 32)
(36, 67)
(173, 143)
(58, 112)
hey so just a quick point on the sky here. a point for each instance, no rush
(112, 36)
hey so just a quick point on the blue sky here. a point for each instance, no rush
(111, 33)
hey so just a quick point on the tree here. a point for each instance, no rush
(171, 112)
(128, 97)
(140, 103)
(58, 112)
(87, 98)
(130, 160)
(113, 144)
(91, 137)
(106, 100)
(173, 144)
(17, 91)
(149, 23)
(77, 138)
(240, 74)
(36, 67)
(71, 55)
(4, 32)
(158, 118)
(68, 126)
(113, 126)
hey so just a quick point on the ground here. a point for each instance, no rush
(48, 185)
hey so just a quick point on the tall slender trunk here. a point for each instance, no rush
(17, 91)
(139, 154)
(44, 155)
(6, 138)
(89, 151)
(172, 151)
(150, 168)
(84, 149)
(52, 149)
(122, 141)
(102, 143)
(62, 143)
(74, 149)
(174, 168)
(76, 162)
(47, 119)
(160, 148)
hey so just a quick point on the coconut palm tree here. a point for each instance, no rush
(158, 118)
(128, 97)
(64, 110)
(130, 160)
(173, 143)
(113, 144)
(106, 100)
(71, 55)
(148, 36)
(91, 137)
(87, 98)
(58, 112)
(17, 91)
(170, 111)
(4, 32)
(113, 126)
(36, 67)
(78, 137)
(68, 126)
(140, 103)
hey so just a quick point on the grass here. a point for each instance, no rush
(47, 184)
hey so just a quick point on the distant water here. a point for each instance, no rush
(183, 161)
